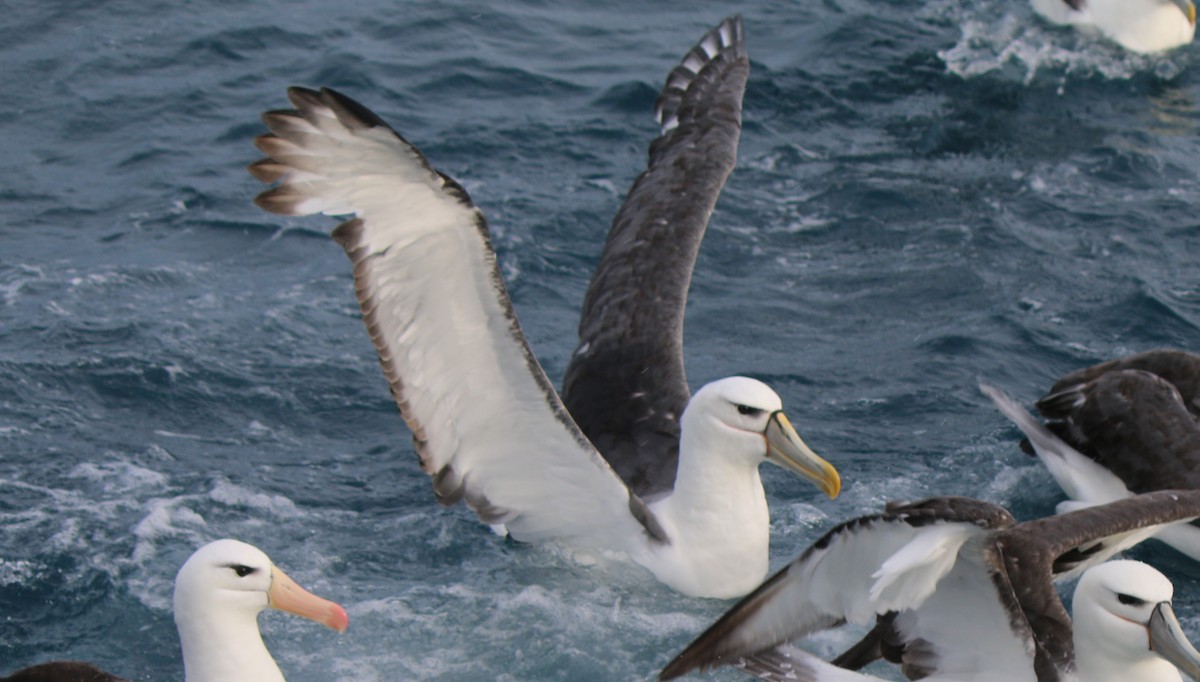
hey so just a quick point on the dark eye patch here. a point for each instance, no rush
(241, 570)
(1130, 600)
(749, 411)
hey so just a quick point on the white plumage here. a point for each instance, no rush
(1137, 25)
(219, 593)
(486, 421)
(959, 593)
(1088, 482)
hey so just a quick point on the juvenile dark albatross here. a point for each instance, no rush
(219, 592)
(1118, 428)
(959, 592)
(486, 421)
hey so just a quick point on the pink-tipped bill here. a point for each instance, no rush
(286, 595)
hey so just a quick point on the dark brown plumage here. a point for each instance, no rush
(1135, 415)
(1021, 562)
(626, 386)
(62, 671)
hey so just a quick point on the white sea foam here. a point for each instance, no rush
(234, 495)
(1007, 38)
(120, 477)
(17, 279)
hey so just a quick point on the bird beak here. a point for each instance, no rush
(785, 448)
(1167, 640)
(286, 595)
(1189, 10)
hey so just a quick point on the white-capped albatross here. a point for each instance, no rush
(959, 592)
(1118, 428)
(486, 421)
(219, 592)
(1136, 25)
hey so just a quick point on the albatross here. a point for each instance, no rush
(1118, 428)
(959, 591)
(219, 592)
(1136, 25)
(635, 465)
(62, 671)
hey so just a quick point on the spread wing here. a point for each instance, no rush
(867, 567)
(625, 385)
(1081, 477)
(1037, 553)
(486, 421)
(1180, 368)
(989, 614)
(1133, 434)
(1134, 422)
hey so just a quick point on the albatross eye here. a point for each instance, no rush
(749, 411)
(242, 571)
(1130, 600)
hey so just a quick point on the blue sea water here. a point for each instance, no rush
(928, 193)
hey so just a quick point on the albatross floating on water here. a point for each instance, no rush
(219, 593)
(959, 592)
(1118, 428)
(486, 422)
(1136, 25)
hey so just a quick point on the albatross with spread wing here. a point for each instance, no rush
(486, 421)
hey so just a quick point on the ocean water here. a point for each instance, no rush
(928, 193)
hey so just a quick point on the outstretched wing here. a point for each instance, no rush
(626, 385)
(1080, 477)
(1133, 433)
(1180, 368)
(1037, 553)
(863, 568)
(1133, 422)
(486, 421)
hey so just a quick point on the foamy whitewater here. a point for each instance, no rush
(928, 193)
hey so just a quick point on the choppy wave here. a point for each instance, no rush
(929, 193)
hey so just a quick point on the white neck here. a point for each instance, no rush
(716, 518)
(1098, 661)
(225, 647)
(1100, 668)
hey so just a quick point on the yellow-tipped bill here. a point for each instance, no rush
(1168, 640)
(786, 449)
(1189, 10)
(286, 595)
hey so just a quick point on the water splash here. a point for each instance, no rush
(1008, 40)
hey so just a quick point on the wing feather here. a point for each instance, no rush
(626, 385)
(832, 581)
(1078, 475)
(486, 421)
(1037, 553)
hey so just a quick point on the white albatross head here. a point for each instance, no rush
(1125, 629)
(743, 418)
(219, 592)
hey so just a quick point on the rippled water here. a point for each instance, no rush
(928, 194)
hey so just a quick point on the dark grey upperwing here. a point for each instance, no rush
(1134, 423)
(62, 671)
(790, 604)
(1180, 368)
(1036, 553)
(626, 386)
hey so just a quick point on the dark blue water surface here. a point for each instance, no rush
(928, 193)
